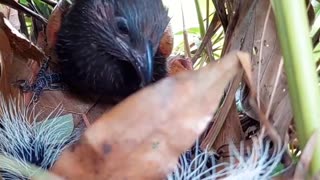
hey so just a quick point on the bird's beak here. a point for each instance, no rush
(144, 65)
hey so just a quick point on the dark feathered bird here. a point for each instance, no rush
(110, 47)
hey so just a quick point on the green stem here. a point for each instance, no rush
(292, 25)
(200, 19)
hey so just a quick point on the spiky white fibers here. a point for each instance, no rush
(257, 164)
(25, 140)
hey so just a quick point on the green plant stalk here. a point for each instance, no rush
(200, 19)
(201, 25)
(292, 26)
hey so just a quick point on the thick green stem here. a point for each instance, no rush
(292, 25)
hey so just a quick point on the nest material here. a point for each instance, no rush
(38, 143)
(27, 141)
(254, 163)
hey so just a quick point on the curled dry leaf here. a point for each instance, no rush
(19, 43)
(143, 136)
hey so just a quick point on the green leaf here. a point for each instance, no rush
(279, 168)
(296, 47)
(200, 19)
(24, 2)
(44, 8)
(193, 30)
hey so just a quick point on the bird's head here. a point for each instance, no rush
(127, 30)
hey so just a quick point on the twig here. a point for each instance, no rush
(50, 2)
(209, 45)
(210, 32)
(86, 120)
(220, 11)
(185, 34)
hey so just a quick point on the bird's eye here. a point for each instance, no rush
(122, 25)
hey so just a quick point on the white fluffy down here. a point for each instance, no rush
(29, 142)
(18, 133)
(258, 164)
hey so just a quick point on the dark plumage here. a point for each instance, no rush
(103, 45)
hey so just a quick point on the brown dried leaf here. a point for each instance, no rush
(316, 177)
(281, 113)
(54, 23)
(302, 168)
(246, 29)
(228, 131)
(21, 50)
(237, 39)
(41, 41)
(225, 113)
(136, 141)
(6, 59)
(50, 100)
(11, 14)
(19, 43)
(5, 47)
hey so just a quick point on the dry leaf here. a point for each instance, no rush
(143, 136)
(19, 43)
(6, 60)
(21, 50)
(281, 113)
(5, 47)
(237, 39)
(54, 23)
(247, 28)
(11, 14)
(41, 41)
(231, 130)
(302, 168)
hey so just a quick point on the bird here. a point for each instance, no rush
(108, 48)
